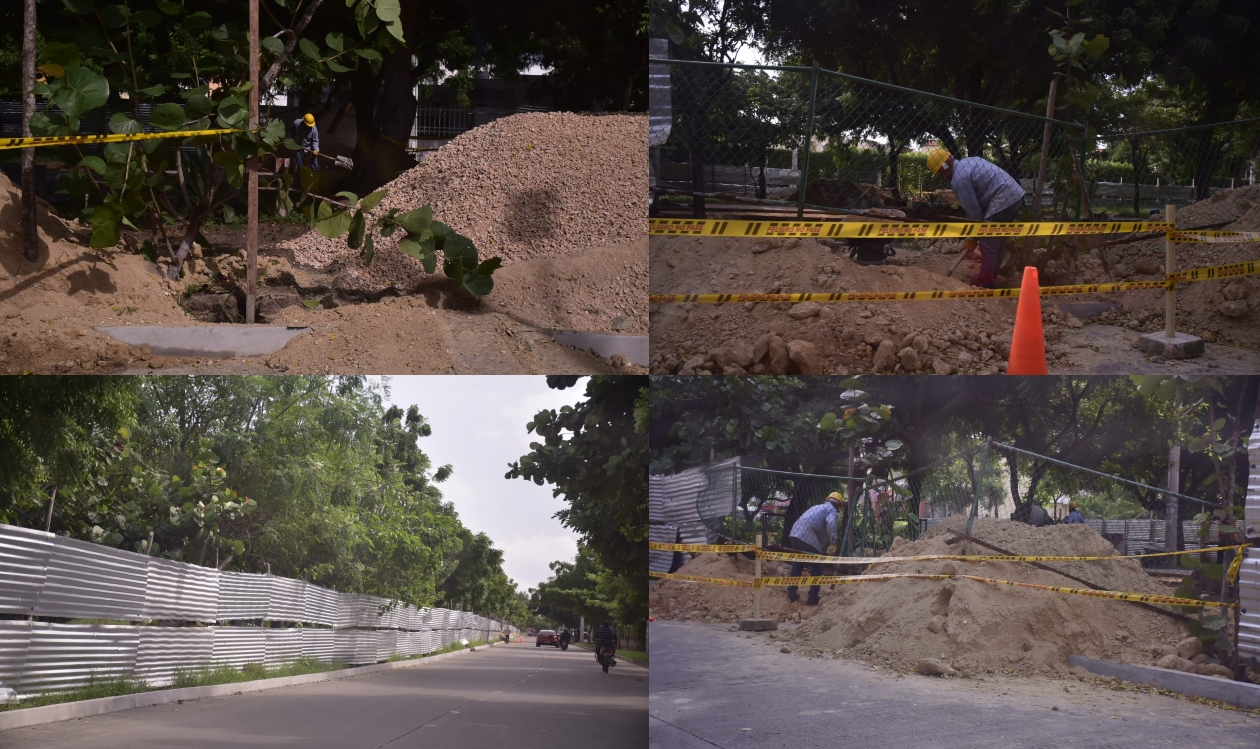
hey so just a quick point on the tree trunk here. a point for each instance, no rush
(386, 108)
(30, 229)
(196, 219)
(894, 156)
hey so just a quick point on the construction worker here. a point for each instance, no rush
(814, 531)
(307, 136)
(1074, 515)
(987, 193)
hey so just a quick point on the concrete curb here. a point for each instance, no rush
(1234, 692)
(34, 716)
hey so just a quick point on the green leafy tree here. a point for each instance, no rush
(594, 455)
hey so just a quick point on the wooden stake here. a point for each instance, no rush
(757, 576)
(1170, 267)
(251, 174)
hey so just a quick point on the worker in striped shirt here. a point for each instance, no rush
(986, 193)
(812, 533)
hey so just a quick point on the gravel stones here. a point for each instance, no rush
(530, 185)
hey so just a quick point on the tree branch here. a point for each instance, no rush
(274, 71)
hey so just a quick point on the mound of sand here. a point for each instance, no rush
(525, 186)
(945, 337)
(978, 627)
(687, 601)
(1217, 310)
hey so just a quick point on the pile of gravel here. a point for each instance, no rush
(530, 185)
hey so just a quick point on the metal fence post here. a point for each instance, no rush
(809, 138)
(1080, 197)
(757, 577)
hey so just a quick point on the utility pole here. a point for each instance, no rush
(251, 173)
(30, 229)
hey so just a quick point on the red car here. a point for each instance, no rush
(547, 637)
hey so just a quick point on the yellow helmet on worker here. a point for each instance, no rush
(937, 158)
(836, 498)
(1071, 506)
(309, 119)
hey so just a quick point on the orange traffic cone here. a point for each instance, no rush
(1028, 343)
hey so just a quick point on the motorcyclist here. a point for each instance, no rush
(565, 635)
(605, 636)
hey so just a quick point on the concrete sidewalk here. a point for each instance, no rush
(712, 687)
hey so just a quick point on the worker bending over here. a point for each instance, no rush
(307, 137)
(812, 533)
(987, 193)
(1074, 515)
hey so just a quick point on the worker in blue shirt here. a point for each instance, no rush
(307, 136)
(1074, 515)
(986, 193)
(812, 533)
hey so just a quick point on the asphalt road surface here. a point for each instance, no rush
(713, 688)
(508, 696)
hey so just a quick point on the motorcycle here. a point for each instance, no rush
(564, 643)
(606, 658)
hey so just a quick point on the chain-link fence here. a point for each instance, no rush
(1131, 174)
(825, 140)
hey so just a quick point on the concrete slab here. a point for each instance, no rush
(1234, 692)
(633, 347)
(208, 341)
(1180, 346)
(758, 625)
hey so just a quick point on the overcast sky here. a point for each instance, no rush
(479, 428)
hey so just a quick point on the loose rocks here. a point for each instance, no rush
(529, 185)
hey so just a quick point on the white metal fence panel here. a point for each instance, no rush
(282, 646)
(318, 644)
(1249, 602)
(90, 581)
(288, 599)
(15, 637)
(386, 643)
(243, 596)
(66, 655)
(355, 646)
(1251, 513)
(322, 606)
(165, 650)
(237, 646)
(175, 590)
(23, 568)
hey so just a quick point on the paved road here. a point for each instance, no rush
(712, 688)
(506, 696)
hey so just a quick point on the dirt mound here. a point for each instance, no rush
(687, 601)
(1227, 311)
(983, 628)
(844, 337)
(530, 185)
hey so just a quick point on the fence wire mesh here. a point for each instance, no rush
(1136, 172)
(753, 131)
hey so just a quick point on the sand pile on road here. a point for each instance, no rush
(687, 601)
(530, 185)
(942, 337)
(978, 627)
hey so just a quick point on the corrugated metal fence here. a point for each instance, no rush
(1249, 579)
(176, 616)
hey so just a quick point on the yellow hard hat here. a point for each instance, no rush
(836, 497)
(937, 158)
(309, 119)
(1071, 505)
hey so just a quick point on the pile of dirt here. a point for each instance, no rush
(1227, 310)
(48, 309)
(941, 337)
(688, 601)
(526, 186)
(971, 627)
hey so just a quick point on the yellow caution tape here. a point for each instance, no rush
(697, 548)
(1232, 573)
(781, 556)
(895, 230)
(66, 140)
(1109, 594)
(1215, 237)
(1231, 270)
(708, 580)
